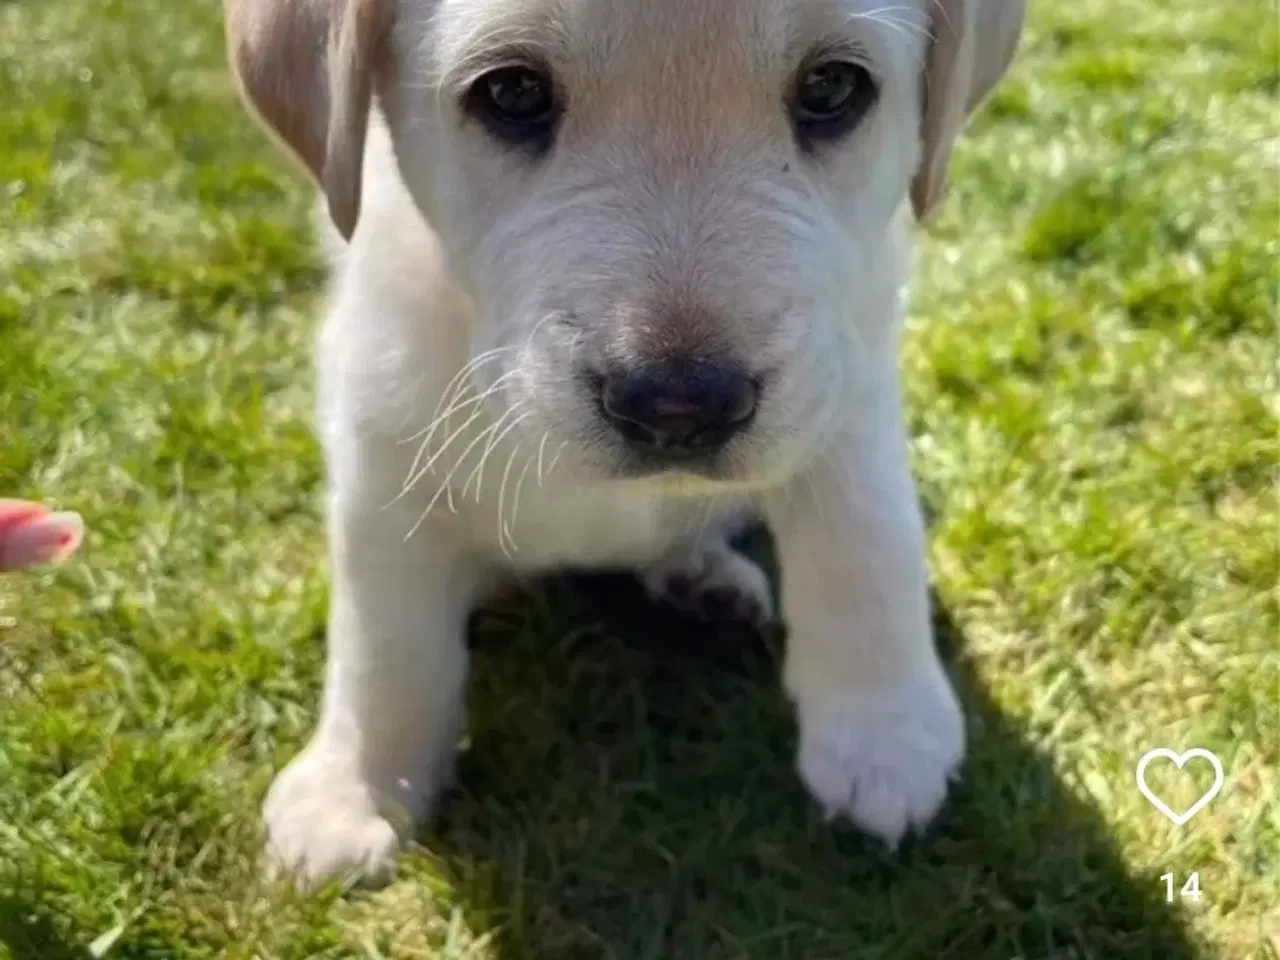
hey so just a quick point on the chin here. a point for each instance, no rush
(712, 476)
(688, 479)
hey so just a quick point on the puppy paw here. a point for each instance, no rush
(323, 824)
(881, 759)
(712, 582)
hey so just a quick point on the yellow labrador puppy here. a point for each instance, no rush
(608, 276)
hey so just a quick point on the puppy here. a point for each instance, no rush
(607, 276)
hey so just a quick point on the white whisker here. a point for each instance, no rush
(494, 440)
(504, 534)
(555, 459)
(542, 448)
(515, 500)
(413, 481)
(416, 473)
(458, 405)
(903, 25)
(467, 368)
(445, 484)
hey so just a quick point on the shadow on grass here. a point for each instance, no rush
(29, 930)
(628, 793)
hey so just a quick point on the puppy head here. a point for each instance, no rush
(673, 216)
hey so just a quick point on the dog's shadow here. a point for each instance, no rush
(628, 792)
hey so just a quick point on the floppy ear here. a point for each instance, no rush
(971, 45)
(306, 69)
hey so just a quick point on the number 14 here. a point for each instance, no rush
(1190, 890)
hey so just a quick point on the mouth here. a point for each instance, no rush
(679, 469)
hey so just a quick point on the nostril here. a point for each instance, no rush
(643, 418)
(678, 405)
(742, 401)
(618, 398)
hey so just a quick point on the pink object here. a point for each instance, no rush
(31, 535)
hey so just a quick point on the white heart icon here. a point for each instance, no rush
(1179, 761)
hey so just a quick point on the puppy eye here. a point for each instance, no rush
(830, 100)
(515, 104)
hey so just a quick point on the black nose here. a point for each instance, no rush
(678, 407)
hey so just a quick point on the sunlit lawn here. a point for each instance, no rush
(1091, 368)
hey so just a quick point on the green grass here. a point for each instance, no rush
(1093, 385)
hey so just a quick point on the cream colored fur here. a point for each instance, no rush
(468, 280)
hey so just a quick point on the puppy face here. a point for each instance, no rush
(671, 215)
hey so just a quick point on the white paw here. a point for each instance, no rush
(884, 759)
(712, 581)
(323, 824)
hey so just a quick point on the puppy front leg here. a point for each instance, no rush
(393, 700)
(881, 732)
